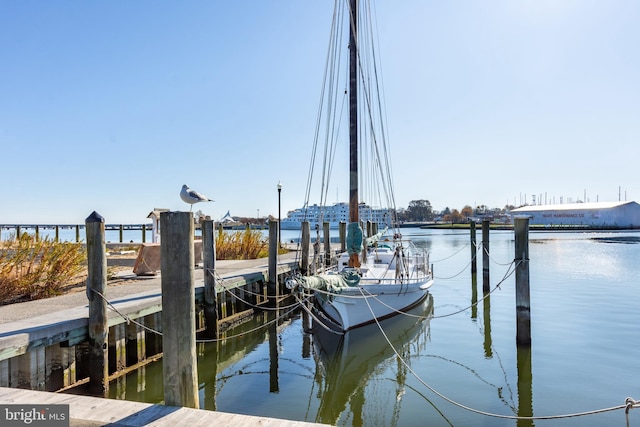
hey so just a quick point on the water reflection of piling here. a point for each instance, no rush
(488, 345)
(474, 296)
(525, 389)
(274, 386)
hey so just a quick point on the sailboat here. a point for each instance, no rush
(379, 275)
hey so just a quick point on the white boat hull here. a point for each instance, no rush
(364, 304)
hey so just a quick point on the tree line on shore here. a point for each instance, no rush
(422, 211)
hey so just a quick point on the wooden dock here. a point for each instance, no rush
(42, 342)
(94, 412)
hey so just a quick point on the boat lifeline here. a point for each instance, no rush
(381, 275)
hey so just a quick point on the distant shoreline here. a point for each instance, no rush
(532, 227)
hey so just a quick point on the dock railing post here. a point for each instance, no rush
(342, 230)
(273, 262)
(523, 307)
(485, 257)
(304, 247)
(96, 293)
(327, 243)
(474, 247)
(209, 265)
(179, 366)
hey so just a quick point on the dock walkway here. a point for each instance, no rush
(85, 411)
(23, 324)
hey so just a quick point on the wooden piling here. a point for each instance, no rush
(121, 232)
(37, 233)
(485, 257)
(342, 230)
(474, 247)
(57, 233)
(327, 243)
(523, 308)
(179, 366)
(273, 260)
(304, 247)
(209, 265)
(77, 233)
(97, 286)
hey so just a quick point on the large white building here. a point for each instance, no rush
(619, 215)
(334, 215)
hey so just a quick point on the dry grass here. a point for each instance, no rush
(34, 269)
(247, 244)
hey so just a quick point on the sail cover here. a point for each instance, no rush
(327, 282)
(354, 238)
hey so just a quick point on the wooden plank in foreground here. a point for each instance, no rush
(94, 411)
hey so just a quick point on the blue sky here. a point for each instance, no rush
(112, 106)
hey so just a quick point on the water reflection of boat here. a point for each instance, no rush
(346, 363)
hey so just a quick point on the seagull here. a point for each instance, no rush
(191, 196)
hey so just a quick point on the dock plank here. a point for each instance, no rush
(94, 412)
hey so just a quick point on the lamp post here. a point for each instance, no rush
(279, 192)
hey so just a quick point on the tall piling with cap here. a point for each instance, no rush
(327, 243)
(474, 247)
(209, 266)
(179, 365)
(523, 305)
(273, 290)
(96, 293)
(304, 247)
(342, 232)
(485, 256)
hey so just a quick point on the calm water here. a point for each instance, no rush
(584, 354)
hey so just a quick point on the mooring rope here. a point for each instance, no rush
(455, 275)
(508, 274)
(310, 312)
(453, 254)
(484, 249)
(124, 316)
(258, 306)
(257, 328)
(130, 320)
(497, 286)
(628, 405)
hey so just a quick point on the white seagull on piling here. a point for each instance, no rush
(191, 196)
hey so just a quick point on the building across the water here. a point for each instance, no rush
(613, 215)
(334, 215)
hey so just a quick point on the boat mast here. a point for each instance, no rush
(354, 260)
